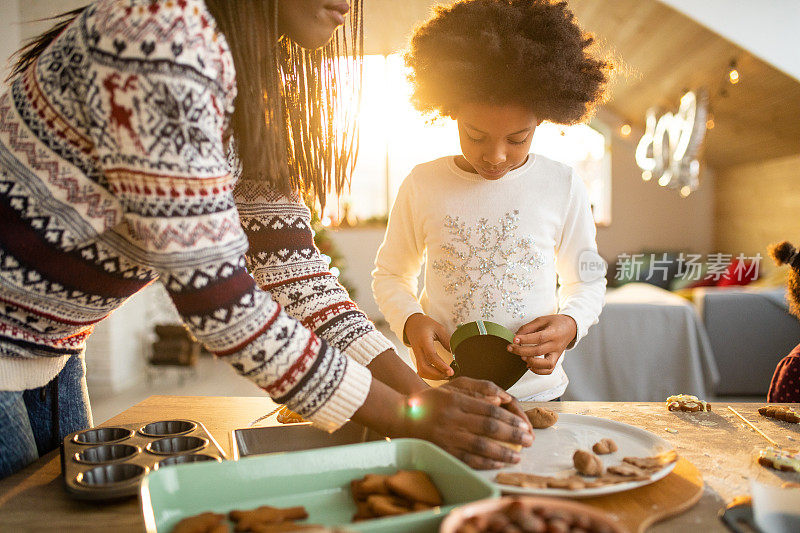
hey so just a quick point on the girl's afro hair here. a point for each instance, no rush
(785, 253)
(507, 52)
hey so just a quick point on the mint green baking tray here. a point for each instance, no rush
(317, 479)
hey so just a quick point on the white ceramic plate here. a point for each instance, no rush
(551, 454)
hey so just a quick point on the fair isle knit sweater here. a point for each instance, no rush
(113, 174)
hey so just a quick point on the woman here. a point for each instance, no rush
(119, 135)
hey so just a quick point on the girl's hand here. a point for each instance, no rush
(422, 333)
(546, 336)
(463, 424)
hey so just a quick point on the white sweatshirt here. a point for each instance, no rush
(494, 250)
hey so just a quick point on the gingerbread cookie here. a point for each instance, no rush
(656, 462)
(612, 479)
(780, 459)
(541, 418)
(363, 512)
(414, 485)
(405, 491)
(604, 446)
(520, 479)
(779, 412)
(687, 402)
(289, 526)
(569, 483)
(246, 520)
(387, 505)
(532, 481)
(287, 416)
(587, 463)
(524, 518)
(518, 516)
(626, 470)
(369, 484)
(202, 523)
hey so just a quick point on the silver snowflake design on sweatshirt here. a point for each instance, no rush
(488, 266)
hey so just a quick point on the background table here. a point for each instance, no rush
(718, 443)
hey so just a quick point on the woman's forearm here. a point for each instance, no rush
(383, 410)
(391, 370)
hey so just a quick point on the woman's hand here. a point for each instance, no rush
(488, 391)
(459, 419)
(547, 336)
(422, 333)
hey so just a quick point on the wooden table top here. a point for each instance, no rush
(718, 443)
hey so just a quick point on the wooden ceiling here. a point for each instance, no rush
(661, 53)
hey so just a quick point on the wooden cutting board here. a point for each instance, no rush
(638, 509)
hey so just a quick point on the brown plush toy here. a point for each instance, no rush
(785, 386)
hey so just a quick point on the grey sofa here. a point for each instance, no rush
(750, 330)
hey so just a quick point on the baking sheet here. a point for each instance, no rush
(295, 437)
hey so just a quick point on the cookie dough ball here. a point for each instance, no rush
(587, 463)
(541, 418)
(604, 446)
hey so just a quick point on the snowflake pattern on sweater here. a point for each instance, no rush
(487, 266)
(113, 174)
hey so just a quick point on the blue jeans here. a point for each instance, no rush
(35, 421)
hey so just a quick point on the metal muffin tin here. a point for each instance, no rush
(108, 463)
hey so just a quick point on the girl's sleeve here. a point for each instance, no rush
(395, 279)
(581, 271)
(285, 262)
(163, 85)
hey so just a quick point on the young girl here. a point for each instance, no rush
(496, 225)
(121, 141)
(785, 385)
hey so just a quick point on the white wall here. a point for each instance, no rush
(645, 216)
(9, 32)
(767, 28)
(116, 351)
(34, 14)
(358, 246)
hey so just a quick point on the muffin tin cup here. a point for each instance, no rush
(109, 463)
(176, 445)
(186, 458)
(106, 453)
(102, 435)
(103, 476)
(168, 428)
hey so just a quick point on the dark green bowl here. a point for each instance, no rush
(479, 351)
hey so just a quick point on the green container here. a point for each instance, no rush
(480, 351)
(317, 479)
